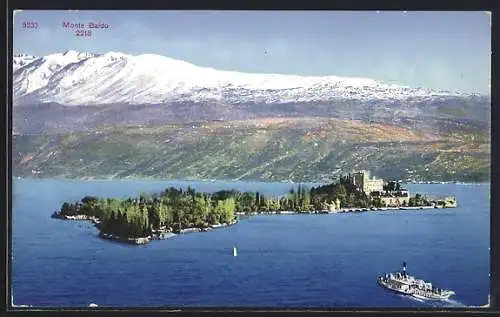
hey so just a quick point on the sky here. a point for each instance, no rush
(438, 50)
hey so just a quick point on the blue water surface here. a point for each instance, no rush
(283, 260)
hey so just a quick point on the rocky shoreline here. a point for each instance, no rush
(161, 234)
(343, 210)
(135, 241)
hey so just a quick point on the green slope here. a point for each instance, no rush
(297, 149)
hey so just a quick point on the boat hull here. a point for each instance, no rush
(390, 288)
(440, 297)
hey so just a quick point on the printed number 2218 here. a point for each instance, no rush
(83, 33)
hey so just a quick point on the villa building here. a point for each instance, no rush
(395, 201)
(363, 182)
(397, 198)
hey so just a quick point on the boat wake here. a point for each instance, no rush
(454, 303)
(435, 303)
(449, 303)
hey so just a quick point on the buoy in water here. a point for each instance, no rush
(235, 251)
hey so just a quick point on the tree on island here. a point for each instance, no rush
(397, 187)
(390, 186)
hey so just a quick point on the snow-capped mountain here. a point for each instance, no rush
(32, 73)
(21, 60)
(73, 78)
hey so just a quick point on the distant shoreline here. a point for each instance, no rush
(110, 179)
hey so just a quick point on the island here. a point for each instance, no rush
(173, 211)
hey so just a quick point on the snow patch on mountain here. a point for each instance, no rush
(21, 60)
(35, 73)
(73, 78)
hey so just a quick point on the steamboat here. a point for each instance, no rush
(402, 282)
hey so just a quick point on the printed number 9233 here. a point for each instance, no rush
(30, 25)
(83, 33)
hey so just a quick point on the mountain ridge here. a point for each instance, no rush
(73, 78)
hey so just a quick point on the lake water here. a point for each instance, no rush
(283, 260)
